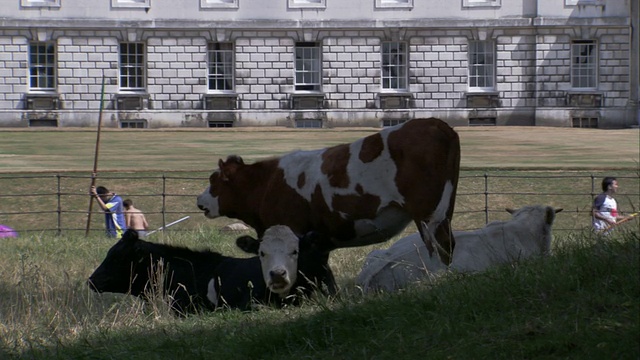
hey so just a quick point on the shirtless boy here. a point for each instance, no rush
(135, 219)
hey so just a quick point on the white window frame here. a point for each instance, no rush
(485, 62)
(307, 64)
(307, 4)
(583, 2)
(386, 4)
(481, 3)
(142, 66)
(227, 65)
(130, 3)
(39, 3)
(590, 65)
(39, 67)
(219, 4)
(399, 65)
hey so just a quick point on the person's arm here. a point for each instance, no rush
(144, 222)
(622, 217)
(127, 219)
(596, 214)
(103, 206)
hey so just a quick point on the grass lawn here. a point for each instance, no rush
(580, 303)
(164, 170)
(199, 150)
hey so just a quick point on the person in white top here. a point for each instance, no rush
(605, 208)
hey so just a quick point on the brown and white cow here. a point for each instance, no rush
(356, 194)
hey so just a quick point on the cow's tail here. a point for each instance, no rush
(439, 223)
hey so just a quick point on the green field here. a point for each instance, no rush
(580, 303)
(199, 150)
(163, 171)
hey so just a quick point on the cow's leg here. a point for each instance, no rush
(330, 282)
(438, 225)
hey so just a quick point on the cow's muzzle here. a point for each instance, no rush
(279, 281)
(206, 211)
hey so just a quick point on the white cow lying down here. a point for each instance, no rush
(528, 233)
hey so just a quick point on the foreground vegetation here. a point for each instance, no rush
(580, 303)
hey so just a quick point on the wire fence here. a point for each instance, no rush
(59, 203)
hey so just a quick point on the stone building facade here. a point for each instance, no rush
(318, 63)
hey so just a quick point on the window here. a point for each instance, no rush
(308, 123)
(40, 3)
(585, 122)
(314, 4)
(130, 3)
(220, 123)
(42, 66)
(394, 3)
(220, 57)
(132, 66)
(133, 124)
(481, 65)
(482, 121)
(394, 65)
(481, 3)
(307, 72)
(584, 64)
(219, 4)
(392, 122)
(583, 2)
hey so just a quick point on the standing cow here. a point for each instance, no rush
(357, 194)
(526, 234)
(203, 280)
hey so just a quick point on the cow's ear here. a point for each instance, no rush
(315, 240)
(307, 240)
(235, 159)
(228, 168)
(510, 210)
(558, 210)
(550, 215)
(248, 244)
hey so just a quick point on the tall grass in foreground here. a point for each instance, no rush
(582, 303)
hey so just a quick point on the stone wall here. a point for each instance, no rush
(532, 75)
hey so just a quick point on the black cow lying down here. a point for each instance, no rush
(202, 280)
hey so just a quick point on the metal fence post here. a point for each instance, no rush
(164, 199)
(58, 177)
(486, 198)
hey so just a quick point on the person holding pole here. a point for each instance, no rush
(135, 219)
(605, 208)
(113, 209)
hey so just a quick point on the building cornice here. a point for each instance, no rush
(179, 24)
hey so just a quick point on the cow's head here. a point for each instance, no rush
(284, 257)
(278, 251)
(538, 220)
(547, 213)
(118, 271)
(209, 200)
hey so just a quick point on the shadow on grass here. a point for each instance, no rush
(581, 303)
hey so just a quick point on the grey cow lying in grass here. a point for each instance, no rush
(526, 234)
(201, 280)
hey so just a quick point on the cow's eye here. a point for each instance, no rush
(294, 252)
(261, 253)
